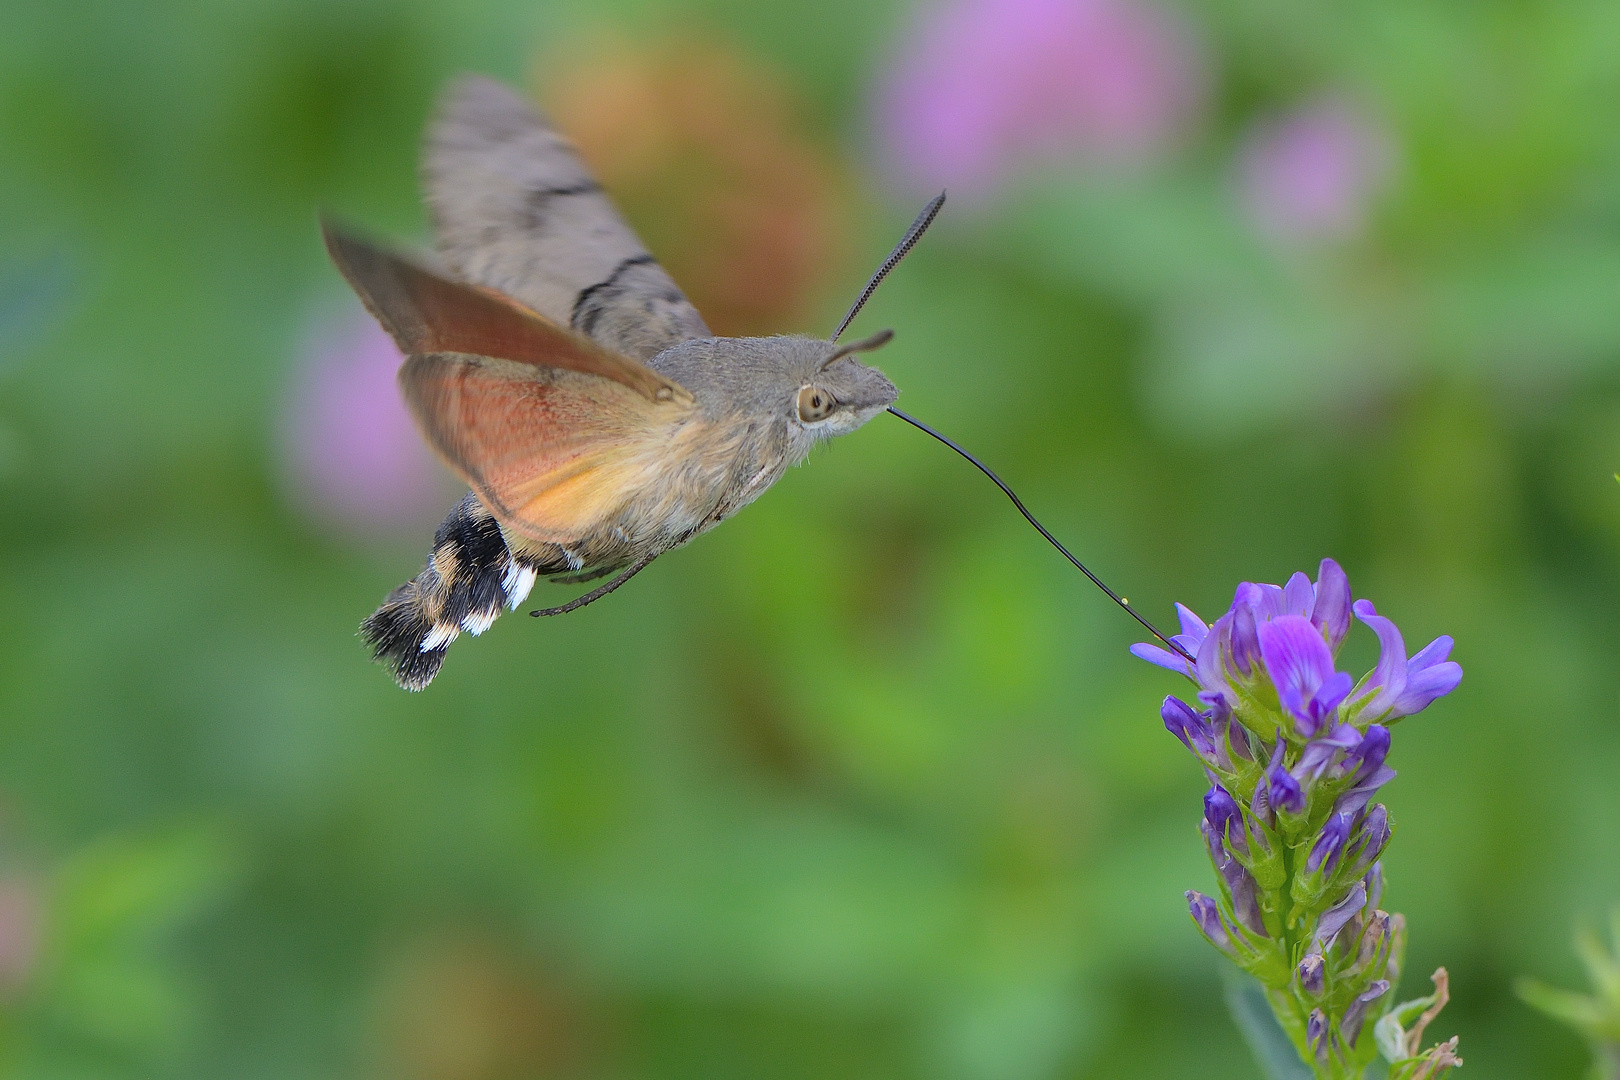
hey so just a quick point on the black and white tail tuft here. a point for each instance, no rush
(469, 575)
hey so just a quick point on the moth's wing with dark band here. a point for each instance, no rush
(426, 313)
(515, 209)
(551, 430)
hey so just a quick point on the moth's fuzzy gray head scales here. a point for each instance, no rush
(774, 380)
(857, 392)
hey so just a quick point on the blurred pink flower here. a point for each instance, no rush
(1312, 173)
(983, 87)
(353, 456)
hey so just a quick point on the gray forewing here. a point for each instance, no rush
(515, 209)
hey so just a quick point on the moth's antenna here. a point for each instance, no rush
(907, 242)
(1029, 517)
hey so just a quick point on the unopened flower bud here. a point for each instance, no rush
(1368, 756)
(1282, 790)
(1334, 918)
(1355, 1014)
(1195, 732)
(1311, 975)
(1223, 815)
(1316, 1034)
(1329, 845)
(1206, 915)
(1372, 836)
(1375, 939)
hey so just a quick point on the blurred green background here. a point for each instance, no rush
(864, 783)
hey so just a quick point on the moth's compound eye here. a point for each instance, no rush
(815, 404)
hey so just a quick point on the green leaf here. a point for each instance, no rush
(1270, 1044)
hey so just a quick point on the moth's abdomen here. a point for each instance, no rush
(469, 576)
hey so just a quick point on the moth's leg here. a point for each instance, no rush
(581, 578)
(600, 591)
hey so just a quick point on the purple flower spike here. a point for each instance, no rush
(1400, 687)
(1356, 1013)
(1334, 918)
(1301, 665)
(1282, 790)
(1312, 975)
(1221, 811)
(1207, 915)
(1329, 844)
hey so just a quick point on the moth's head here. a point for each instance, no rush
(840, 393)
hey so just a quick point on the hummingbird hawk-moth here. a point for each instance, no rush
(554, 366)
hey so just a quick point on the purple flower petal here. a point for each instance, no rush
(1268, 601)
(1322, 750)
(1368, 756)
(1298, 596)
(1192, 627)
(1208, 664)
(1352, 800)
(1195, 732)
(1428, 676)
(1245, 639)
(1326, 700)
(1299, 663)
(1162, 657)
(1334, 918)
(1331, 611)
(1178, 718)
(1389, 676)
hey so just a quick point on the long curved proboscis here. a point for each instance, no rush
(907, 242)
(1029, 517)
